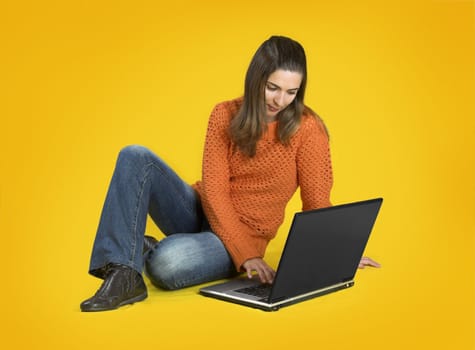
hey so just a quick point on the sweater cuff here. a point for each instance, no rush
(245, 250)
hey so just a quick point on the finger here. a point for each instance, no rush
(269, 273)
(262, 275)
(365, 261)
(370, 262)
(261, 272)
(249, 272)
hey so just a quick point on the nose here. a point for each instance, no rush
(279, 99)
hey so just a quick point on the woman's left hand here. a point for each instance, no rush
(365, 261)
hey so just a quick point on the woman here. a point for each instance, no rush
(258, 150)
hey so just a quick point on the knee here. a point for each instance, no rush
(134, 156)
(166, 267)
(134, 152)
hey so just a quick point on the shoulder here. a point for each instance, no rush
(221, 116)
(312, 124)
(227, 109)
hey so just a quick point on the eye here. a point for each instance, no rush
(271, 88)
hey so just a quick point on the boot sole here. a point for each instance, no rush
(123, 303)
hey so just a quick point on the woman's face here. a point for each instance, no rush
(281, 89)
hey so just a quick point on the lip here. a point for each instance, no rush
(272, 109)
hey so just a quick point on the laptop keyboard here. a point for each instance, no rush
(261, 290)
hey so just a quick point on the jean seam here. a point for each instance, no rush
(202, 278)
(146, 169)
(167, 178)
(137, 210)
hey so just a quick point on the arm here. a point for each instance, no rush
(216, 196)
(315, 175)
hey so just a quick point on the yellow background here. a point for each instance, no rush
(395, 83)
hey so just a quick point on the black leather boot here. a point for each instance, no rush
(122, 285)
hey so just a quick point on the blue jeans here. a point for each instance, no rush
(189, 254)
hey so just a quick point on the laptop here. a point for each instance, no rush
(321, 255)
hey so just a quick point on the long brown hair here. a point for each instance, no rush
(250, 123)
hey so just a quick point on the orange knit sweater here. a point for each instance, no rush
(244, 198)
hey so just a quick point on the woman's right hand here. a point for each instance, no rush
(258, 265)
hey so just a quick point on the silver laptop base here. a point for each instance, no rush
(275, 305)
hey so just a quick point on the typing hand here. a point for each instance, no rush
(258, 265)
